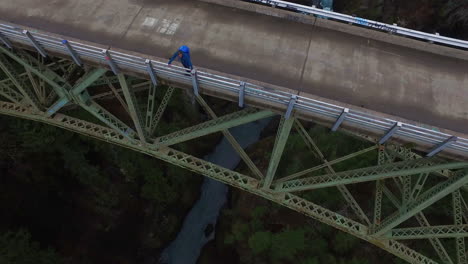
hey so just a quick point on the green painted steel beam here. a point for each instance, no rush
(423, 201)
(159, 113)
(107, 118)
(150, 107)
(11, 94)
(230, 138)
(458, 220)
(218, 173)
(222, 123)
(133, 107)
(19, 83)
(379, 172)
(443, 231)
(345, 193)
(281, 138)
(40, 70)
(87, 80)
(435, 242)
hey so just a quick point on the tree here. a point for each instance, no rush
(17, 248)
(287, 244)
(260, 242)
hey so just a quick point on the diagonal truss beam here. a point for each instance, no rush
(341, 188)
(443, 231)
(423, 201)
(397, 169)
(11, 94)
(420, 217)
(227, 176)
(281, 138)
(153, 121)
(84, 83)
(19, 83)
(235, 145)
(215, 125)
(133, 107)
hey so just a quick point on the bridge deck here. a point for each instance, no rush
(402, 81)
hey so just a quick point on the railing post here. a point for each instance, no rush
(35, 43)
(340, 119)
(195, 82)
(72, 53)
(390, 132)
(150, 70)
(241, 94)
(111, 62)
(291, 104)
(5, 41)
(442, 146)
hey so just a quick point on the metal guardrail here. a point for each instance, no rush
(387, 127)
(436, 38)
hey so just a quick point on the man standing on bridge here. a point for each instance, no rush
(183, 53)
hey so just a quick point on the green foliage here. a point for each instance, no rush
(18, 248)
(344, 242)
(239, 230)
(287, 244)
(260, 242)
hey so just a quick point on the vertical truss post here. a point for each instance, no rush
(442, 146)
(152, 74)
(340, 119)
(241, 94)
(379, 186)
(161, 109)
(5, 41)
(35, 44)
(18, 82)
(390, 132)
(132, 106)
(406, 181)
(281, 138)
(110, 62)
(458, 219)
(290, 108)
(40, 90)
(72, 52)
(150, 107)
(194, 74)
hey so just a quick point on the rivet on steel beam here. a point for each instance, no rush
(195, 82)
(150, 70)
(110, 61)
(35, 43)
(72, 53)
(442, 146)
(291, 104)
(340, 119)
(5, 41)
(390, 132)
(241, 94)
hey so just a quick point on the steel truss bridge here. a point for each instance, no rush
(38, 85)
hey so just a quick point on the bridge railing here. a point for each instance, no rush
(374, 124)
(436, 38)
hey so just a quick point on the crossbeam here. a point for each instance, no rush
(443, 231)
(423, 201)
(215, 125)
(397, 169)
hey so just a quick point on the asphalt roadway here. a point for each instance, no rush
(362, 69)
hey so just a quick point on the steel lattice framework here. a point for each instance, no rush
(45, 89)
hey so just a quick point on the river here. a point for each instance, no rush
(199, 225)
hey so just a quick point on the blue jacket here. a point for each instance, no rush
(185, 60)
